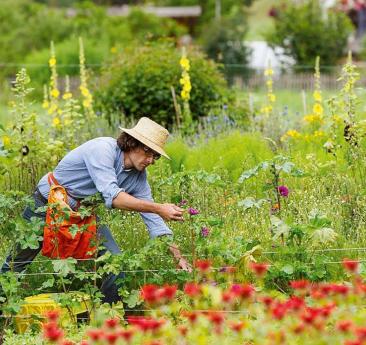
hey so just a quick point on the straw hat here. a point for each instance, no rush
(149, 133)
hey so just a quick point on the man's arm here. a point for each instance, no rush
(128, 202)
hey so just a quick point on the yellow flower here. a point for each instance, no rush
(114, 50)
(318, 134)
(269, 83)
(184, 62)
(268, 72)
(52, 62)
(6, 140)
(45, 104)
(86, 103)
(272, 97)
(52, 109)
(337, 119)
(85, 92)
(318, 109)
(67, 95)
(313, 118)
(317, 96)
(56, 121)
(293, 133)
(185, 95)
(55, 93)
(59, 111)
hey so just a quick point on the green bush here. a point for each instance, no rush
(223, 40)
(139, 82)
(305, 33)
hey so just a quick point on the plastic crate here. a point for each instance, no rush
(34, 308)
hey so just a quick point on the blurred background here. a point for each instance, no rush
(242, 36)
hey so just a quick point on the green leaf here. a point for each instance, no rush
(65, 266)
(324, 236)
(288, 269)
(251, 202)
(279, 227)
(133, 299)
(74, 229)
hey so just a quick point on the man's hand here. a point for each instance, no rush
(170, 212)
(182, 263)
(185, 265)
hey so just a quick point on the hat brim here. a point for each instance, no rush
(145, 141)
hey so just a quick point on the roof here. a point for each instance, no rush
(170, 12)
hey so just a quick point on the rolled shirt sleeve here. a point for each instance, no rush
(154, 223)
(100, 165)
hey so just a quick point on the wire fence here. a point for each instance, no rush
(241, 76)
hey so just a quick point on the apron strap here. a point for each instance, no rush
(52, 180)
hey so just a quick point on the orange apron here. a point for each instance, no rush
(58, 242)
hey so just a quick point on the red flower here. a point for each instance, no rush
(192, 289)
(243, 291)
(168, 292)
(227, 297)
(216, 318)
(279, 310)
(112, 323)
(295, 303)
(126, 334)
(267, 300)
(191, 316)
(203, 265)
(350, 265)
(52, 332)
(300, 284)
(344, 325)
(361, 333)
(149, 293)
(259, 268)
(111, 338)
(183, 330)
(95, 334)
(53, 315)
(145, 324)
(237, 326)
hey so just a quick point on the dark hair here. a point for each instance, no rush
(127, 143)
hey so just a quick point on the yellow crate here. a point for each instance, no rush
(35, 307)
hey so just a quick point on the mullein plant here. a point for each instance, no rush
(87, 98)
(315, 119)
(267, 110)
(185, 93)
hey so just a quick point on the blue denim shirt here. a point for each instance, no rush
(98, 166)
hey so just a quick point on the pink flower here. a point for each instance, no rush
(193, 212)
(283, 190)
(205, 231)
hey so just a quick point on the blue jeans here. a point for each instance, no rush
(21, 258)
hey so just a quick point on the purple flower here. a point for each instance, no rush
(283, 190)
(192, 211)
(182, 202)
(205, 231)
